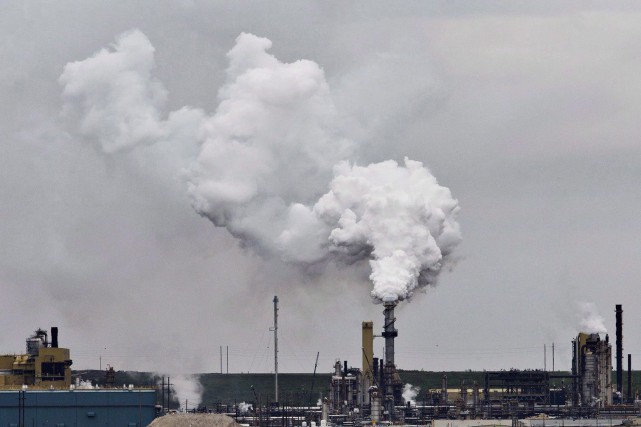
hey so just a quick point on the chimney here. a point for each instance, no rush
(375, 369)
(54, 337)
(619, 326)
(630, 378)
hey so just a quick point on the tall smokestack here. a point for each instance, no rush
(630, 378)
(54, 336)
(619, 321)
(389, 333)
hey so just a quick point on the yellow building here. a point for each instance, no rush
(44, 365)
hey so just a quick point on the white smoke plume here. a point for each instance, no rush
(114, 100)
(261, 163)
(272, 142)
(409, 393)
(398, 216)
(244, 407)
(590, 321)
(186, 390)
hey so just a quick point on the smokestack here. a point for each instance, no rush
(54, 337)
(375, 366)
(630, 378)
(389, 333)
(619, 325)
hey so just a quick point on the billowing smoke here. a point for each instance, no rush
(186, 390)
(260, 165)
(114, 101)
(590, 321)
(397, 216)
(272, 142)
(409, 393)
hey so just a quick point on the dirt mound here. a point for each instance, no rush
(194, 420)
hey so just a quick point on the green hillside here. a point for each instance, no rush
(294, 388)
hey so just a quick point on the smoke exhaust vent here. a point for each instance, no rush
(54, 336)
(619, 325)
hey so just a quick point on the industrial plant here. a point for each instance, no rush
(36, 388)
(372, 393)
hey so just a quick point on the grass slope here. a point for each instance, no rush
(295, 388)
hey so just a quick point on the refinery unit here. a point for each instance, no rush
(373, 393)
(36, 388)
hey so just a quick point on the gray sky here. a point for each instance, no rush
(527, 112)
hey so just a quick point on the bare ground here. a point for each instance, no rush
(194, 420)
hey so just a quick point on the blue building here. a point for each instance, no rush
(77, 408)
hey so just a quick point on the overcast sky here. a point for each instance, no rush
(527, 111)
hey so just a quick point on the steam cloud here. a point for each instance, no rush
(244, 407)
(409, 393)
(591, 321)
(187, 389)
(259, 166)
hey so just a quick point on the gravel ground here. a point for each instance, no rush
(194, 420)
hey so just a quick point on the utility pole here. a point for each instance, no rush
(228, 359)
(221, 359)
(276, 348)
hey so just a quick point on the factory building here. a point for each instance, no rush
(345, 389)
(36, 389)
(43, 365)
(592, 369)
